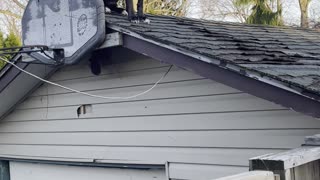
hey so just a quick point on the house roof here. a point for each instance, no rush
(288, 55)
(280, 65)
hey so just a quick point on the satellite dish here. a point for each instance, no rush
(76, 26)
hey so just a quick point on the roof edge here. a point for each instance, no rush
(12, 79)
(223, 64)
(229, 74)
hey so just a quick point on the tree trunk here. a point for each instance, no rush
(279, 10)
(304, 4)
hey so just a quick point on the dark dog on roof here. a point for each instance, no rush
(111, 5)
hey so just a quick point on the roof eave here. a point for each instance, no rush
(248, 82)
(15, 86)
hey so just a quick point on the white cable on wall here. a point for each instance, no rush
(84, 93)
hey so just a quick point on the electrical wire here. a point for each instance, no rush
(84, 93)
(47, 55)
(23, 47)
(41, 49)
(19, 52)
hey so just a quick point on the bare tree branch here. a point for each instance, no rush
(19, 4)
(9, 13)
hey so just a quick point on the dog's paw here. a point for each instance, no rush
(147, 21)
(107, 10)
(137, 20)
(125, 13)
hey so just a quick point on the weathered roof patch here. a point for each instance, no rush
(307, 77)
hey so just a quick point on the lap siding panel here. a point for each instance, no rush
(190, 122)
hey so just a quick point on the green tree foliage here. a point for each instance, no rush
(1, 46)
(11, 40)
(1, 39)
(166, 7)
(261, 12)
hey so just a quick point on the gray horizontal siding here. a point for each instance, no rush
(118, 80)
(82, 71)
(232, 139)
(142, 155)
(171, 89)
(256, 120)
(185, 120)
(163, 106)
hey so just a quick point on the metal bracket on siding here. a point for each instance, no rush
(112, 40)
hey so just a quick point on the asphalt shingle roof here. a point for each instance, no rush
(286, 54)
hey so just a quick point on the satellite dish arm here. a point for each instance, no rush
(38, 52)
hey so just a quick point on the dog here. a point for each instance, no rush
(111, 6)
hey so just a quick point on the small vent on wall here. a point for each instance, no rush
(84, 109)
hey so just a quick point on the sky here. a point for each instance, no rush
(291, 11)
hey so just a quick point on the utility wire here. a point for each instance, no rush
(22, 47)
(17, 52)
(84, 93)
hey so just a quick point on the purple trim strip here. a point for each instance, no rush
(257, 88)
